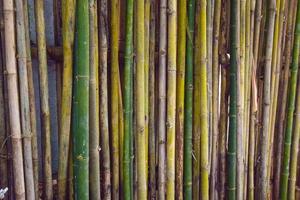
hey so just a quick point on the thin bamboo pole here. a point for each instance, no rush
(13, 97)
(80, 107)
(128, 107)
(291, 104)
(191, 172)
(24, 100)
(215, 101)
(295, 148)
(94, 164)
(115, 97)
(44, 95)
(162, 75)
(140, 95)
(68, 23)
(104, 128)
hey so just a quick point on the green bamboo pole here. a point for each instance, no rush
(13, 100)
(263, 181)
(171, 98)
(128, 107)
(295, 146)
(191, 180)
(68, 23)
(80, 110)
(94, 164)
(104, 129)
(152, 106)
(181, 63)
(121, 134)
(215, 103)
(24, 100)
(204, 124)
(162, 75)
(291, 104)
(140, 95)
(44, 95)
(114, 96)
(232, 135)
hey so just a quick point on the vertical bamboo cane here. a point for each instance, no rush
(68, 20)
(44, 95)
(13, 97)
(80, 110)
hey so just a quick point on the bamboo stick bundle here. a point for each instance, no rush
(68, 20)
(191, 134)
(180, 97)
(104, 128)
(152, 102)
(162, 81)
(35, 156)
(291, 102)
(128, 107)
(284, 85)
(140, 110)
(94, 168)
(80, 110)
(232, 135)
(13, 97)
(44, 95)
(24, 100)
(115, 97)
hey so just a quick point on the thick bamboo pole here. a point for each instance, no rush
(191, 172)
(94, 164)
(80, 109)
(128, 106)
(68, 23)
(181, 59)
(115, 97)
(13, 97)
(162, 81)
(24, 100)
(290, 112)
(44, 95)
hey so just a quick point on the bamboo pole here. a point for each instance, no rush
(264, 143)
(68, 20)
(152, 101)
(104, 128)
(35, 156)
(13, 97)
(295, 148)
(115, 97)
(128, 107)
(232, 135)
(44, 95)
(94, 164)
(181, 62)
(291, 104)
(191, 172)
(215, 101)
(140, 110)
(24, 100)
(162, 99)
(80, 110)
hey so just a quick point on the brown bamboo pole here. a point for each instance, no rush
(104, 129)
(24, 99)
(13, 97)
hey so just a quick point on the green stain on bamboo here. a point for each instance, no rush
(188, 110)
(80, 112)
(290, 112)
